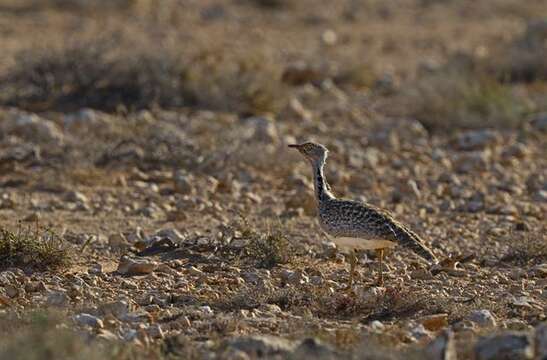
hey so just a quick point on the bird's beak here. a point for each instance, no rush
(296, 146)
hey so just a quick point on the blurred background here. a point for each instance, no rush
(157, 130)
(448, 64)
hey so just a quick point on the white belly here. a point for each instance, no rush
(362, 244)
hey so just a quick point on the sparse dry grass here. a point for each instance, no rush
(522, 60)
(44, 335)
(38, 335)
(119, 73)
(270, 250)
(455, 99)
(37, 249)
(494, 90)
(98, 73)
(265, 249)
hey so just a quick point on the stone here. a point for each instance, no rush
(517, 150)
(135, 318)
(128, 266)
(107, 335)
(369, 158)
(435, 322)
(516, 324)
(262, 129)
(293, 277)
(12, 291)
(525, 302)
(183, 182)
(421, 274)
(152, 211)
(4, 300)
(213, 12)
(535, 35)
(118, 309)
(312, 348)
(377, 325)
(540, 270)
(81, 119)
(300, 110)
(442, 347)
(155, 331)
(35, 129)
(95, 269)
(506, 346)
(475, 140)
(536, 181)
(130, 335)
(192, 270)
(57, 298)
(270, 308)
(172, 234)
(303, 199)
(541, 341)
(316, 280)
(251, 277)
(541, 196)
(32, 217)
(118, 241)
(370, 295)
(76, 196)
(233, 354)
(473, 206)
(206, 310)
(89, 320)
(35, 286)
(328, 249)
(472, 161)
(329, 37)
(261, 346)
(387, 83)
(539, 122)
(419, 333)
(482, 318)
(299, 73)
(8, 201)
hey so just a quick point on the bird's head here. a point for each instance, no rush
(315, 153)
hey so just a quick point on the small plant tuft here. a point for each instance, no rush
(36, 249)
(265, 249)
(270, 250)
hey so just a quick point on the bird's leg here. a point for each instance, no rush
(380, 255)
(352, 265)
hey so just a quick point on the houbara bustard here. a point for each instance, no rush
(357, 225)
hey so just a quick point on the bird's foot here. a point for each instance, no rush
(450, 263)
(380, 281)
(349, 285)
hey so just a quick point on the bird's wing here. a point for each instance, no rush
(394, 230)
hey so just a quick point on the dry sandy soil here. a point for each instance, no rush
(150, 206)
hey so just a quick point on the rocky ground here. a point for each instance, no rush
(153, 213)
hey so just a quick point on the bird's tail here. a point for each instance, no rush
(412, 241)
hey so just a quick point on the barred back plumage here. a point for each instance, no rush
(353, 219)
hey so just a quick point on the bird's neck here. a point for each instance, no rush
(322, 188)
